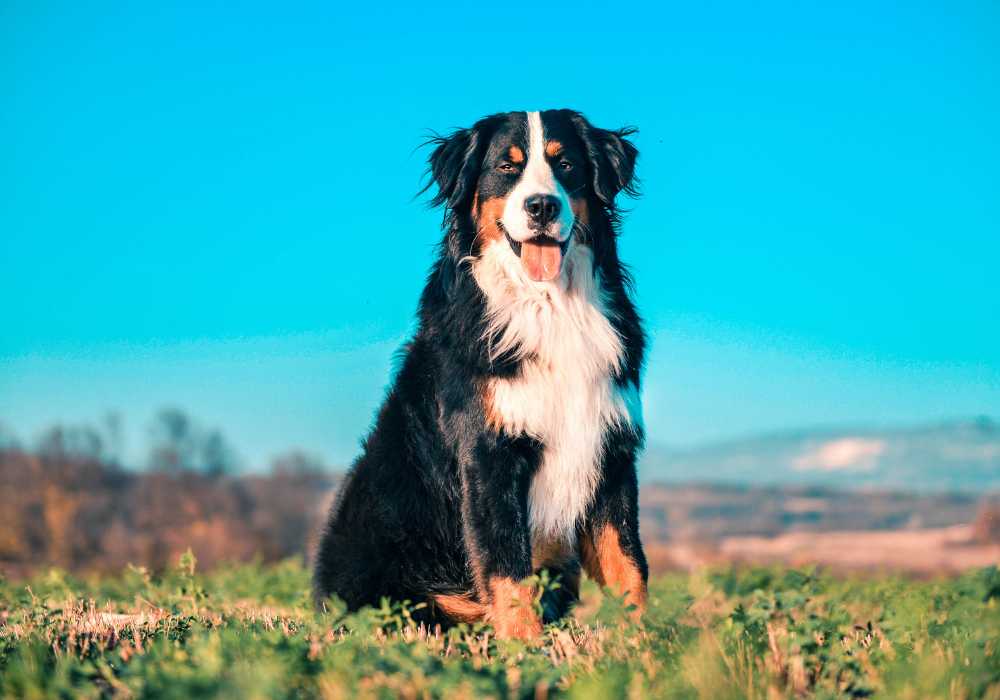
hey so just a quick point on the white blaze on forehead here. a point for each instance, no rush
(537, 178)
(538, 173)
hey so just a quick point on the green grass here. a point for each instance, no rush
(249, 631)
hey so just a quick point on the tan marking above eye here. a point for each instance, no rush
(516, 154)
(553, 148)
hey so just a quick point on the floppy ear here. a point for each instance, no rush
(612, 159)
(455, 162)
(452, 168)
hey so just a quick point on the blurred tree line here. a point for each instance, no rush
(69, 501)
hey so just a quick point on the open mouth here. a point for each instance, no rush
(541, 256)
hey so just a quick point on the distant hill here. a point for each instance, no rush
(959, 456)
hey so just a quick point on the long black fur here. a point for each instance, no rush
(437, 501)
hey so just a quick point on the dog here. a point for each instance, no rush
(508, 439)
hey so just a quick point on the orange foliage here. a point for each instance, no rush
(83, 515)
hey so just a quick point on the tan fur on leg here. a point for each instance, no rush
(606, 562)
(460, 608)
(512, 611)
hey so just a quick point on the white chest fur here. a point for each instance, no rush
(565, 395)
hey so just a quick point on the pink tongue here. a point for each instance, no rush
(541, 259)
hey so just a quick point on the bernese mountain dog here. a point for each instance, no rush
(507, 442)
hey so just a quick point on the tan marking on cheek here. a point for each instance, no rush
(581, 216)
(489, 212)
(553, 148)
(515, 154)
(512, 610)
(606, 562)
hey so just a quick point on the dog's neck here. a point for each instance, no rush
(559, 321)
(564, 394)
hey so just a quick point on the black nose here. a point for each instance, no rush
(541, 208)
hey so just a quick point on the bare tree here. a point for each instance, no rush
(8, 440)
(297, 463)
(217, 457)
(173, 444)
(72, 442)
(179, 444)
(114, 437)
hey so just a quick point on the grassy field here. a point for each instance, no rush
(249, 631)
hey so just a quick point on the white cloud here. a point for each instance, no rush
(847, 454)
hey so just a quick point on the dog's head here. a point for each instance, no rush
(534, 181)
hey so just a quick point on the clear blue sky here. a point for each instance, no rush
(211, 206)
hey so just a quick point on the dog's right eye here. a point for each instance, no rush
(506, 167)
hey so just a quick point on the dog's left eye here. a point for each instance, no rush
(565, 164)
(506, 168)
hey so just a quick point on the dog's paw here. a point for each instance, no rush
(637, 604)
(518, 627)
(512, 610)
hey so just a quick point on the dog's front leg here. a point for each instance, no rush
(495, 484)
(610, 550)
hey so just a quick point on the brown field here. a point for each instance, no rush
(930, 552)
(688, 527)
(82, 515)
